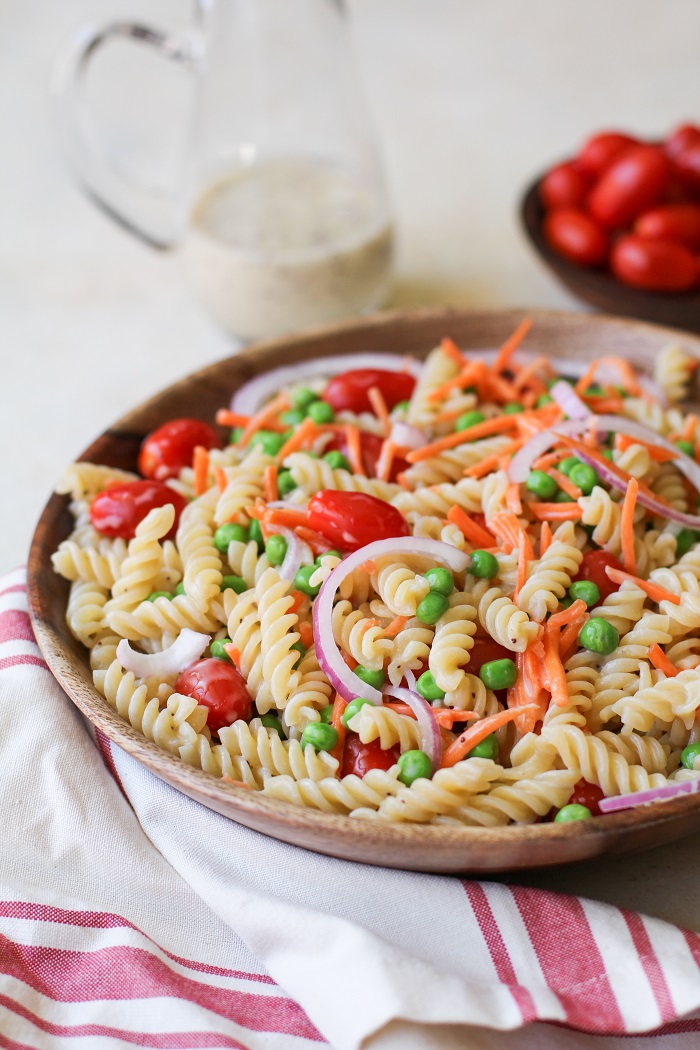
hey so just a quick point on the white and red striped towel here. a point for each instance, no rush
(141, 919)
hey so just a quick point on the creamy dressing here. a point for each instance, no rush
(287, 243)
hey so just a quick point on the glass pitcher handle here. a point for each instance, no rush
(148, 212)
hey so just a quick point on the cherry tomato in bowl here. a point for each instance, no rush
(349, 391)
(656, 266)
(631, 184)
(350, 520)
(575, 235)
(168, 449)
(593, 568)
(679, 222)
(601, 150)
(117, 510)
(218, 686)
(564, 186)
(359, 758)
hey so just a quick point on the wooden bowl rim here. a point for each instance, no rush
(253, 807)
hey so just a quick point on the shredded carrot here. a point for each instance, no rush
(555, 511)
(511, 533)
(545, 538)
(653, 590)
(270, 483)
(298, 600)
(306, 634)
(587, 377)
(470, 529)
(318, 543)
(658, 454)
(490, 463)
(403, 481)
(386, 459)
(237, 783)
(568, 639)
(528, 374)
(625, 372)
(511, 345)
(266, 415)
(485, 429)
(660, 661)
(605, 405)
(566, 616)
(629, 558)
(500, 389)
(444, 716)
(396, 625)
(303, 433)
(527, 691)
(472, 736)
(590, 438)
(292, 517)
(513, 499)
(522, 570)
(349, 660)
(690, 428)
(547, 461)
(449, 347)
(221, 479)
(367, 624)
(376, 400)
(352, 436)
(231, 419)
(538, 419)
(200, 466)
(233, 654)
(564, 483)
(472, 374)
(554, 668)
(339, 705)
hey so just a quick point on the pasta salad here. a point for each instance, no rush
(458, 592)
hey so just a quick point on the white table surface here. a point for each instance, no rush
(470, 100)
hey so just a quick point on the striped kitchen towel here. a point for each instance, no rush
(132, 916)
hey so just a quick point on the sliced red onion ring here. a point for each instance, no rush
(430, 738)
(521, 463)
(331, 662)
(569, 401)
(251, 395)
(410, 679)
(630, 428)
(641, 798)
(298, 553)
(184, 650)
(406, 436)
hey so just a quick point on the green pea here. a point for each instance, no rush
(217, 649)
(300, 648)
(285, 482)
(512, 408)
(585, 477)
(499, 674)
(268, 440)
(688, 447)
(326, 713)
(689, 754)
(292, 417)
(440, 580)
(572, 812)
(599, 636)
(301, 580)
(483, 565)
(428, 687)
(374, 678)
(414, 765)
(607, 453)
(180, 589)
(320, 412)
(542, 400)
(568, 464)
(276, 549)
(328, 554)
(235, 435)
(594, 390)
(488, 748)
(226, 534)
(352, 708)
(234, 583)
(158, 594)
(320, 736)
(563, 497)
(271, 721)
(587, 590)
(336, 460)
(433, 606)
(469, 419)
(541, 484)
(302, 397)
(401, 406)
(255, 533)
(685, 539)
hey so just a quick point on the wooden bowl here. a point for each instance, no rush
(600, 288)
(437, 849)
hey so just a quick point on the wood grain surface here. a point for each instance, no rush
(558, 335)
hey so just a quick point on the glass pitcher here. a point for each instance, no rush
(281, 216)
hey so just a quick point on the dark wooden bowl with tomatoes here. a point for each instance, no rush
(619, 225)
(559, 335)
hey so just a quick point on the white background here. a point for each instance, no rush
(470, 99)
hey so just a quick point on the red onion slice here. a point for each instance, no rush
(406, 436)
(248, 398)
(298, 553)
(331, 662)
(430, 738)
(641, 798)
(630, 428)
(185, 649)
(521, 463)
(569, 401)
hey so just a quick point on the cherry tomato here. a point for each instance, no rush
(593, 569)
(601, 150)
(671, 222)
(588, 795)
(371, 447)
(656, 266)
(359, 758)
(679, 140)
(483, 651)
(576, 236)
(686, 167)
(350, 520)
(120, 508)
(218, 686)
(630, 185)
(564, 187)
(348, 391)
(169, 448)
